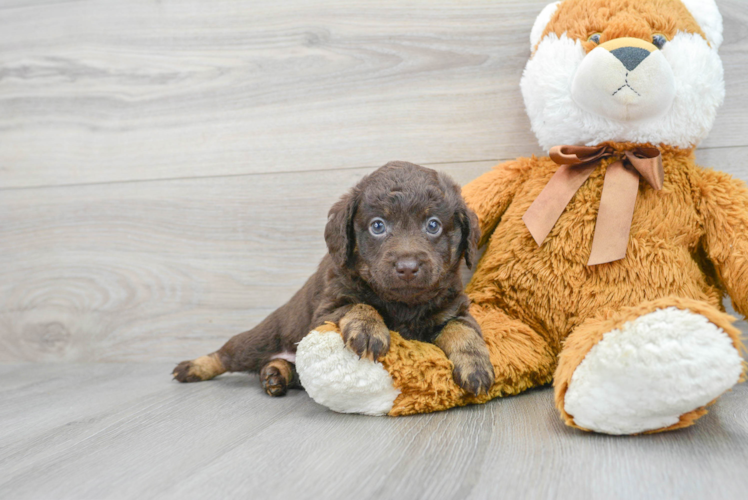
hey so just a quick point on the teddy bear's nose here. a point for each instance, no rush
(630, 56)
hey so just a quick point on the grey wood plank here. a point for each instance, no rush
(730, 160)
(168, 270)
(103, 91)
(85, 410)
(158, 270)
(151, 438)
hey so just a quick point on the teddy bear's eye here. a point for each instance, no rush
(594, 38)
(659, 40)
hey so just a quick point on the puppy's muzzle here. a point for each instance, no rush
(407, 268)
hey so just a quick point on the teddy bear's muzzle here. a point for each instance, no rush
(625, 79)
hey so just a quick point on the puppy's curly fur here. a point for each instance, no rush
(395, 242)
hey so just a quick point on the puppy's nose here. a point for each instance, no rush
(407, 269)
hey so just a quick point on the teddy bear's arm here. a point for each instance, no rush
(724, 206)
(490, 194)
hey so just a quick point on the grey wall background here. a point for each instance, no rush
(166, 167)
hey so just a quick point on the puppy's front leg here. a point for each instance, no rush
(364, 332)
(468, 352)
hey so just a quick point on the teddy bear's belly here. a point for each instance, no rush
(552, 289)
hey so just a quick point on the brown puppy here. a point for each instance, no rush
(395, 245)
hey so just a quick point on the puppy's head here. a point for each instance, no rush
(403, 229)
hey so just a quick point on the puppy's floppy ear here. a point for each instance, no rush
(464, 218)
(339, 234)
(470, 229)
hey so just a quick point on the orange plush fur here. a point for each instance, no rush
(621, 18)
(526, 317)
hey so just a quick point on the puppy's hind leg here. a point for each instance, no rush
(279, 375)
(275, 337)
(246, 352)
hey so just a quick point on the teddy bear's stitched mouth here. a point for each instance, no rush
(626, 84)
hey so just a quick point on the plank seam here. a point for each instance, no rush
(285, 172)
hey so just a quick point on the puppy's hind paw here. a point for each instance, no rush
(277, 377)
(202, 368)
(184, 372)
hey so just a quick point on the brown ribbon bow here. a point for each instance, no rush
(620, 188)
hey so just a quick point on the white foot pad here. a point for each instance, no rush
(335, 377)
(650, 372)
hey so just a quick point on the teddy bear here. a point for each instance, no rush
(606, 261)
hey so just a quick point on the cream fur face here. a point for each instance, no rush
(574, 97)
(605, 86)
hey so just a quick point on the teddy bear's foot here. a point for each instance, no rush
(655, 372)
(336, 377)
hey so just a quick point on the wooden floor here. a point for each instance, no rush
(126, 431)
(166, 168)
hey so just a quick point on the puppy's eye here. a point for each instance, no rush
(595, 37)
(659, 40)
(377, 227)
(433, 226)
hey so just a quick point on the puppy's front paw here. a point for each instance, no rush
(463, 344)
(367, 339)
(473, 372)
(365, 333)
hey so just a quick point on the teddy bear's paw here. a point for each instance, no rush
(336, 377)
(650, 372)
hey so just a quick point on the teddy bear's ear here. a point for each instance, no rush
(541, 22)
(707, 15)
